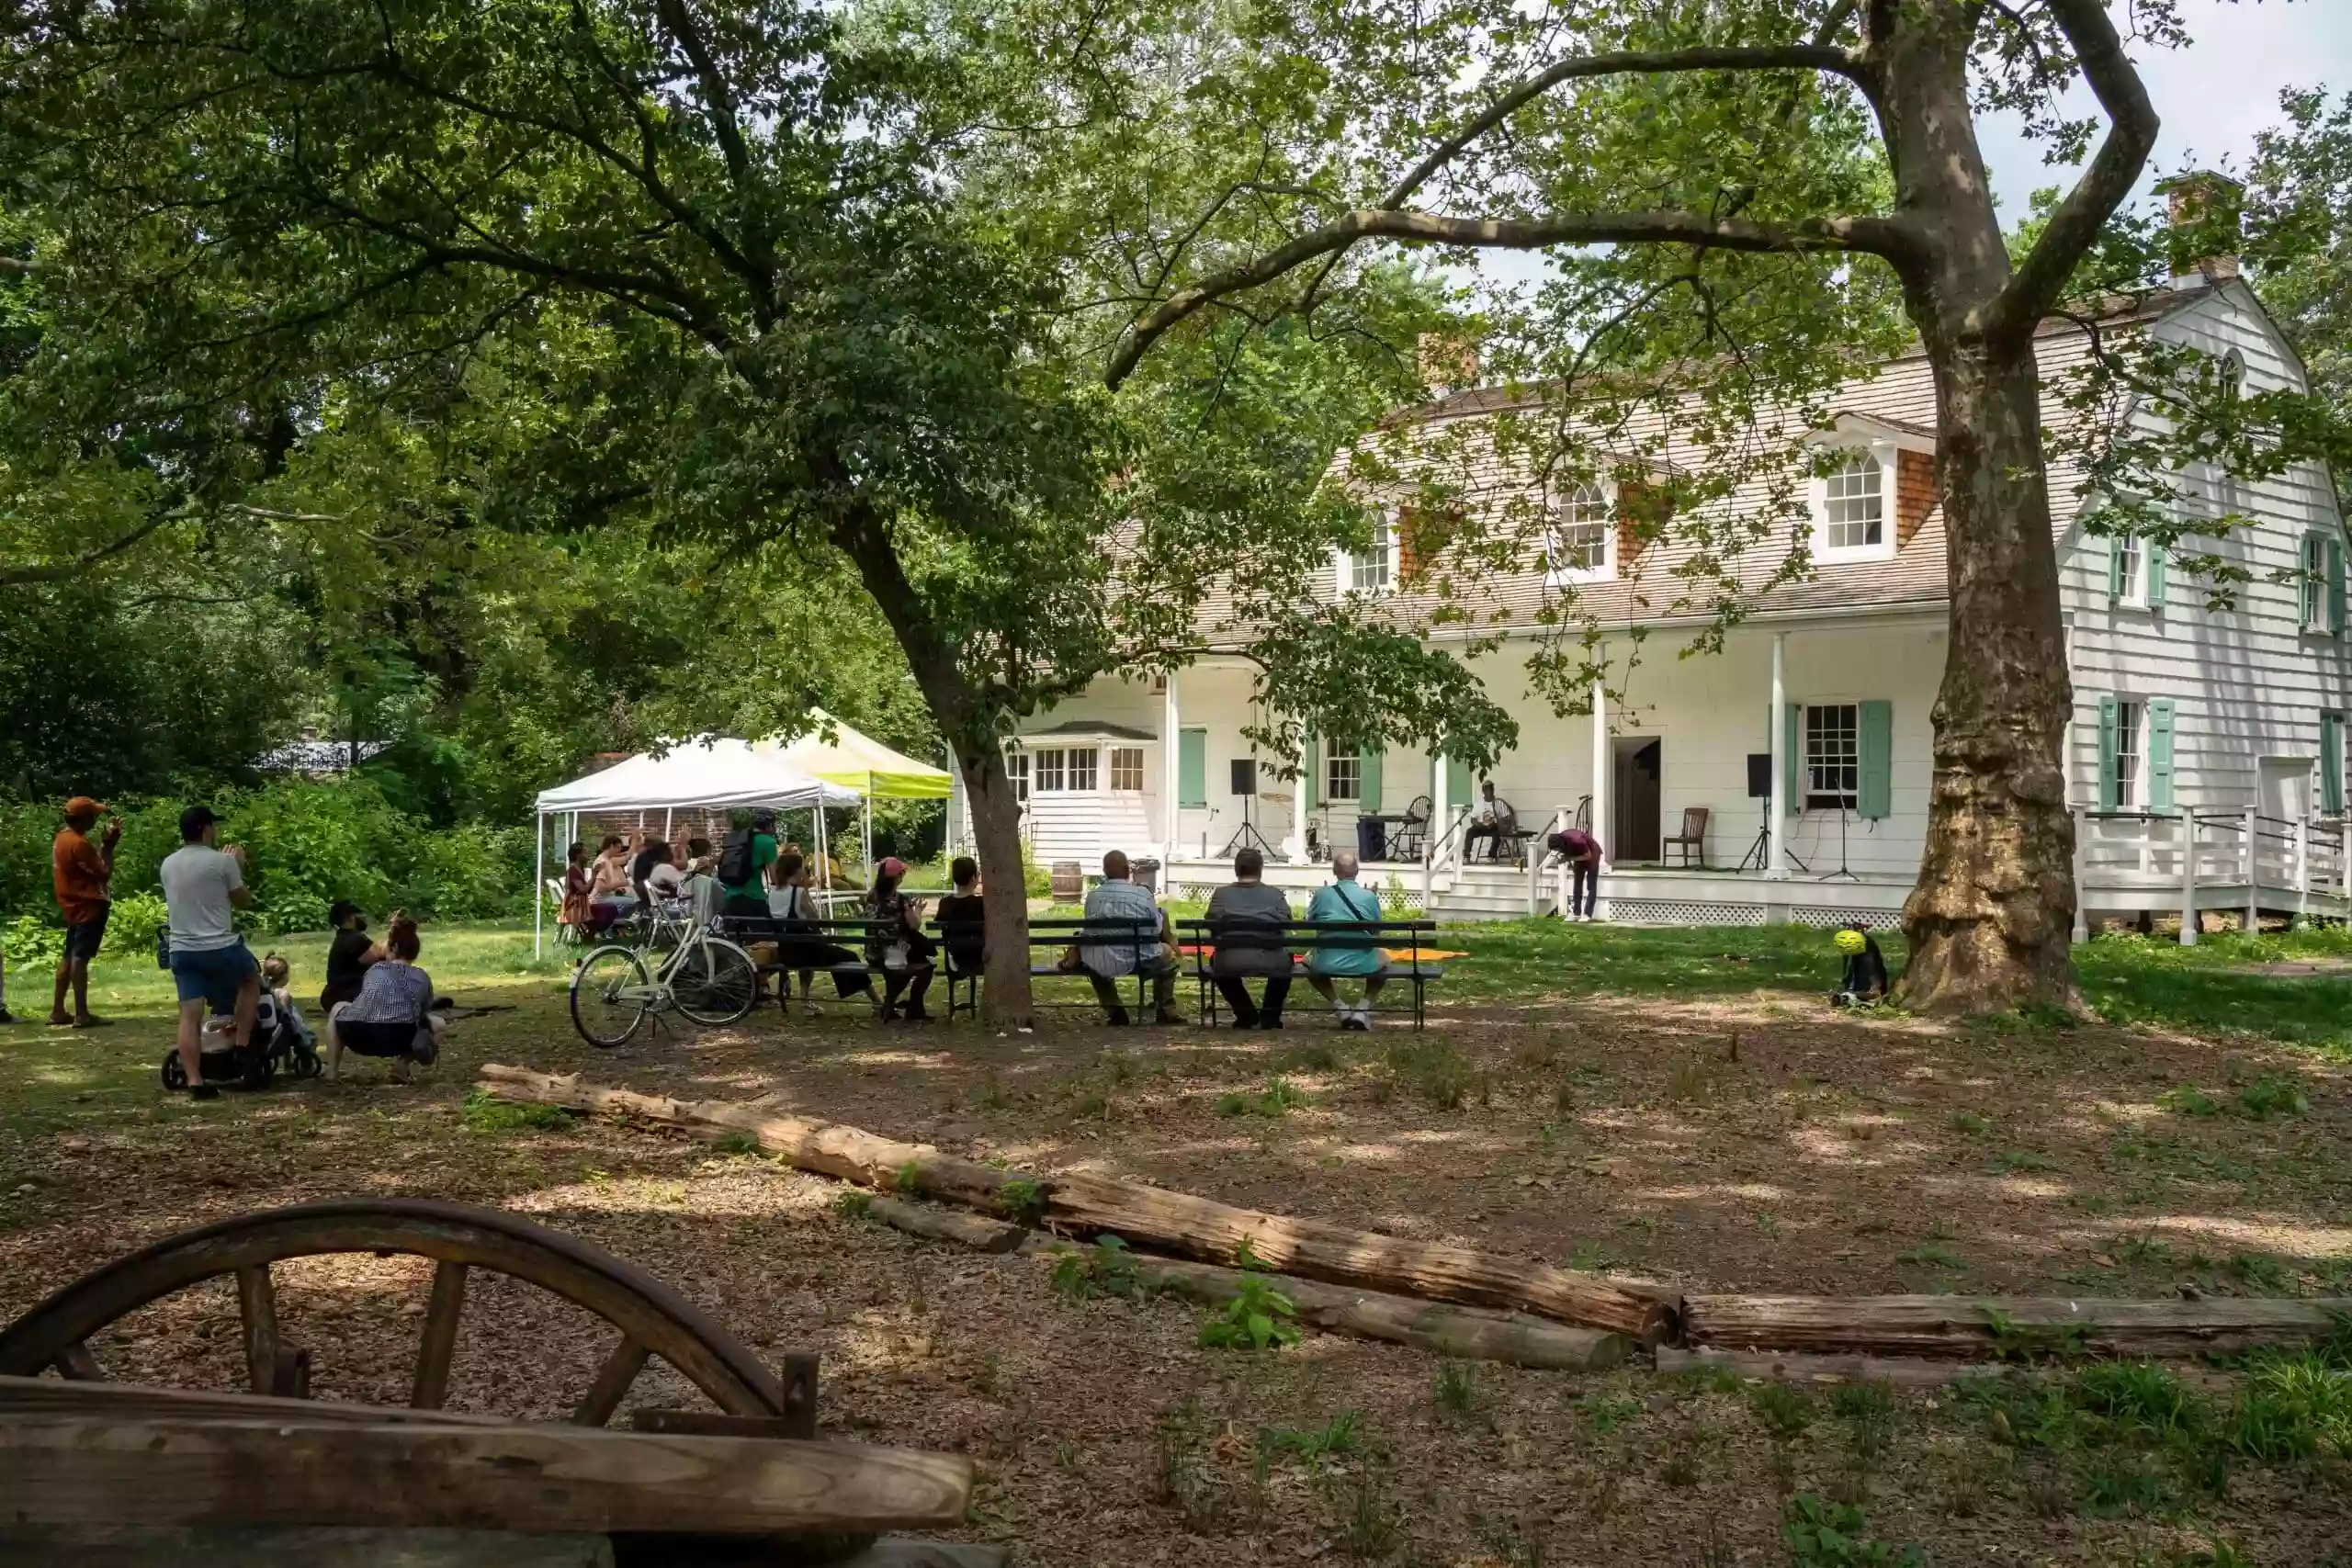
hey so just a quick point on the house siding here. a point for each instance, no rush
(2247, 683)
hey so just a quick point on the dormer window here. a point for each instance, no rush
(1581, 540)
(1853, 507)
(1374, 571)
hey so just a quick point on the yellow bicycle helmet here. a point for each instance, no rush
(1850, 940)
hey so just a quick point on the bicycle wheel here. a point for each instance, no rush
(716, 983)
(608, 996)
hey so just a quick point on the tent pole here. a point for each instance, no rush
(866, 848)
(538, 875)
(824, 863)
(665, 824)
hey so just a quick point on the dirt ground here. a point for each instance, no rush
(1746, 1144)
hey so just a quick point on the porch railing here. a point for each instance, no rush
(2237, 860)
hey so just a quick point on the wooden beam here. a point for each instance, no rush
(1903, 1372)
(257, 1309)
(531, 1478)
(976, 1231)
(430, 1387)
(134, 1401)
(612, 1384)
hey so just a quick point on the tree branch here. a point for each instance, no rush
(1877, 235)
(12, 575)
(2074, 227)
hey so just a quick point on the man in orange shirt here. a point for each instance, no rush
(79, 871)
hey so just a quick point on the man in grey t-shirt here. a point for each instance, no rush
(204, 885)
(1240, 951)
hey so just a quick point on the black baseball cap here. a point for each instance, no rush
(194, 821)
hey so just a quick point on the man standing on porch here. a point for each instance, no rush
(1343, 902)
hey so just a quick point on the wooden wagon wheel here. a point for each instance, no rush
(653, 1319)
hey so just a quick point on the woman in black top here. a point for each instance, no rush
(348, 955)
(962, 918)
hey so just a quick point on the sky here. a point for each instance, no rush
(2212, 95)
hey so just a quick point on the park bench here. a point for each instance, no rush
(756, 933)
(1056, 937)
(1409, 945)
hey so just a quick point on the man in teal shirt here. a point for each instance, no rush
(1343, 902)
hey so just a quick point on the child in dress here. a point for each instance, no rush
(275, 975)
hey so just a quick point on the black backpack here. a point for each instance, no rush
(735, 858)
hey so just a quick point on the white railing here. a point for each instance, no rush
(2238, 860)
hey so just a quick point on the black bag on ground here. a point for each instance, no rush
(735, 858)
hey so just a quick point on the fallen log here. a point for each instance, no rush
(133, 1401)
(1764, 1365)
(529, 1478)
(329, 1547)
(829, 1148)
(976, 1231)
(2001, 1328)
(1218, 1232)
(1470, 1333)
(1198, 1228)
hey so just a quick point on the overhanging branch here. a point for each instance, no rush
(2074, 227)
(1877, 235)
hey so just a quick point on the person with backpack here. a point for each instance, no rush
(1344, 901)
(743, 862)
(1863, 982)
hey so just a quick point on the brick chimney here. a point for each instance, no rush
(2204, 217)
(1449, 363)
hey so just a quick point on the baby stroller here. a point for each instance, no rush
(278, 1044)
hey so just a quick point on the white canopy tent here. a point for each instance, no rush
(715, 771)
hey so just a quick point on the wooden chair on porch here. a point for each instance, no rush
(1693, 840)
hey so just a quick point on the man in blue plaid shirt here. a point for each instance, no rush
(1118, 901)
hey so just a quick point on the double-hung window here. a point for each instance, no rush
(1016, 767)
(1053, 764)
(2131, 582)
(1127, 769)
(1081, 769)
(1342, 771)
(1854, 504)
(1372, 570)
(1833, 756)
(2323, 586)
(2129, 755)
(1582, 535)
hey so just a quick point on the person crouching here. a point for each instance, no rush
(393, 1014)
(1864, 981)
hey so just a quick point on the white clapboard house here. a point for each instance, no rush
(2220, 732)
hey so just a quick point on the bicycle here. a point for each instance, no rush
(614, 989)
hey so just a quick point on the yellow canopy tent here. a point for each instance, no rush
(854, 760)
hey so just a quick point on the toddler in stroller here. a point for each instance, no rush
(281, 1040)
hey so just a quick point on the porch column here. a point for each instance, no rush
(1601, 824)
(1776, 810)
(1441, 808)
(1295, 846)
(1170, 742)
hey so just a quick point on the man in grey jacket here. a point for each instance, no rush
(1241, 952)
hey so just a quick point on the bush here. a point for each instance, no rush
(132, 924)
(29, 944)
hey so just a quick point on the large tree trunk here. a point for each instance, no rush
(1992, 919)
(996, 833)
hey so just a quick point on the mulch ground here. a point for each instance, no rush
(1752, 1144)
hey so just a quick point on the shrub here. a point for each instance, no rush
(132, 924)
(29, 942)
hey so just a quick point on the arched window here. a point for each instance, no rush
(1583, 524)
(1854, 504)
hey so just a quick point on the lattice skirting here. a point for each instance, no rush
(1682, 912)
(1397, 903)
(1688, 912)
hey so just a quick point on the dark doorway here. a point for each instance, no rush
(1633, 781)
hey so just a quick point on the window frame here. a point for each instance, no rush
(1849, 765)
(1016, 768)
(1335, 754)
(1091, 773)
(2131, 594)
(1113, 767)
(1853, 455)
(1605, 569)
(1385, 545)
(2313, 606)
(1048, 775)
(2131, 753)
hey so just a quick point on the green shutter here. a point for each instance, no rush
(2159, 561)
(2114, 570)
(1457, 784)
(2330, 764)
(1877, 760)
(1193, 768)
(1793, 774)
(2160, 753)
(2106, 753)
(1313, 764)
(1368, 778)
(2335, 586)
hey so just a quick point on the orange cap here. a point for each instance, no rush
(83, 805)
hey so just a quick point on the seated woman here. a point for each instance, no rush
(348, 955)
(962, 918)
(899, 949)
(393, 1015)
(800, 944)
(609, 896)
